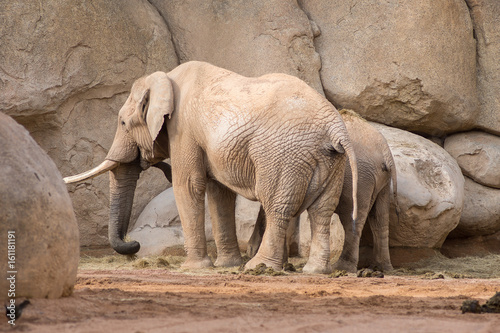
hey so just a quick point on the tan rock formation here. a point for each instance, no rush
(407, 64)
(65, 72)
(251, 38)
(43, 253)
(430, 190)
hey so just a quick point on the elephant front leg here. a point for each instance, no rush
(271, 250)
(221, 205)
(190, 199)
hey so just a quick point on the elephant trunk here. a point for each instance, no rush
(122, 184)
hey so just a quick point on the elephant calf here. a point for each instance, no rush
(272, 138)
(376, 172)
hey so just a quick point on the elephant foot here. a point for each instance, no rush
(228, 261)
(385, 266)
(315, 268)
(274, 264)
(344, 265)
(197, 263)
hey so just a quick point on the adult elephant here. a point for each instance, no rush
(272, 139)
(376, 173)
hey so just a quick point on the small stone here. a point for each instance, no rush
(365, 272)
(470, 306)
(493, 304)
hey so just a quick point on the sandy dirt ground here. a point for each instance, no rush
(163, 300)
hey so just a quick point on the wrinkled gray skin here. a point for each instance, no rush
(376, 172)
(272, 139)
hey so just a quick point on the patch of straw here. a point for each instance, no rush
(485, 267)
(128, 262)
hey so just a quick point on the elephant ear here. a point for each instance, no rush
(159, 102)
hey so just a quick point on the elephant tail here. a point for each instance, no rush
(354, 172)
(391, 166)
(346, 145)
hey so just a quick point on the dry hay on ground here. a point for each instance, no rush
(485, 267)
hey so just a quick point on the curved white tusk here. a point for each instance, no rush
(100, 169)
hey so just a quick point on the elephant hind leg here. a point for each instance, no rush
(349, 258)
(319, 254)
(258, 232)
(379, 224)
(320, 215)
(221, 205)
(272, 248)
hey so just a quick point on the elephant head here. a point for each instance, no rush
(139, 143)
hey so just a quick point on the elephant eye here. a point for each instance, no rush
(123, 123)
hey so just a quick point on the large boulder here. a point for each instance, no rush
(36, 209)
(481, 213)
(485, 14)
(471, 246)
(408, 64)
(158, 227)
(430, 190)
(67, 67)
(477, 154)
(251, 38)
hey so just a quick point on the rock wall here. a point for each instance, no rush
(66, 70)
(485, 14)
(403, 63)
(251, 38)
(429, 67)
